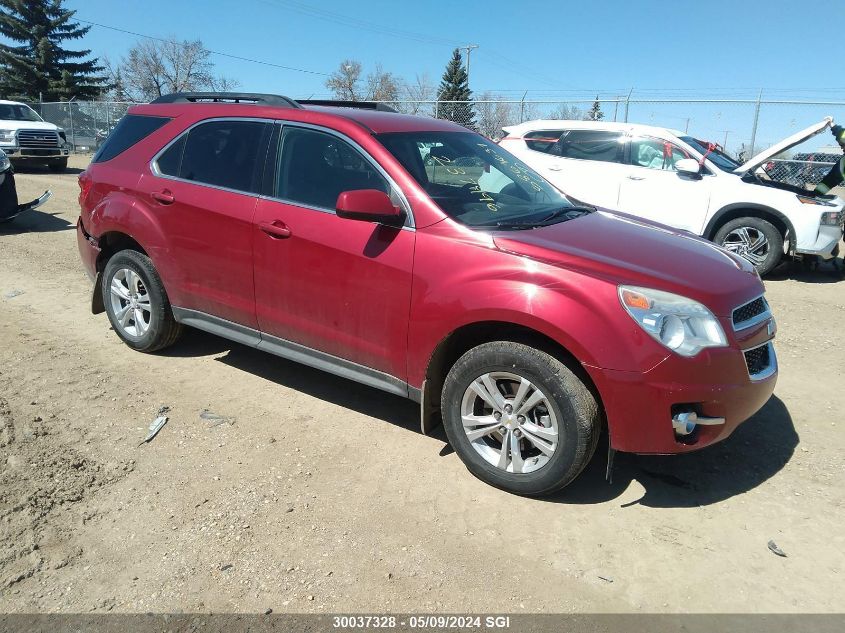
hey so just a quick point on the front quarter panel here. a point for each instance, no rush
(461, 278)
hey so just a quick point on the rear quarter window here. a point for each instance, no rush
(129, 130)
(542, 140)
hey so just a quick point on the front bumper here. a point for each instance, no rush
(27, 154)
(826, 243)
(715, 384)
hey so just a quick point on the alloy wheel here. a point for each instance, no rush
(510, 422)
(130, 302)
(748, 242)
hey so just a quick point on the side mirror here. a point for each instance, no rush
(688, 167)
(369, 205)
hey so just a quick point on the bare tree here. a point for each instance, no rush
(568, 112)
(529, 111)
(382, 85)
(416, 95)
(345, 81)
(347, 84)
(155, 68)
(493, 114)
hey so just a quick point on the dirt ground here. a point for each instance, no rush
(320, 495)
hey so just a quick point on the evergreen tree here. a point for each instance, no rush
(455, 87)
(36, 63)
(595, 113)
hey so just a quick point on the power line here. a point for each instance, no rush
(347, 20)
(213, 52)
(390, 31)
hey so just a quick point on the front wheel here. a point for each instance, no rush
(755, 239)
(519, 418)
(137, 304)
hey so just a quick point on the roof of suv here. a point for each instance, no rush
(374, 121)
(566, 124)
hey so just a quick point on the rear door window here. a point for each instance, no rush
(129, 130)
(542, 140)
(597, 145)
(227, 154)
(168, 163)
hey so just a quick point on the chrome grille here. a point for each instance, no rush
(750, 313)
(38, 138)
(760, 361)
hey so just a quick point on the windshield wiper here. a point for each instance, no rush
(559, 215)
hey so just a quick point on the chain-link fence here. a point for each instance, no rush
(86, 123)
(742, 127)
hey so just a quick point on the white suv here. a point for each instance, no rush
(668, 177)
(26, 138)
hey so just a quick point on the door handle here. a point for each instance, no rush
(555, 168)
(636, 177)
(276, 229)
(165, 196)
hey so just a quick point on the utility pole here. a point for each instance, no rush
(468, 48)
(686, 127)
(756, 121)
(725, 146)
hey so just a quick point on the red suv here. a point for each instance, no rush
(415, 256)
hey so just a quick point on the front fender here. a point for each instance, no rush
(581, 313)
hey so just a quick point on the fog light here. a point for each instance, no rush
(684, 423)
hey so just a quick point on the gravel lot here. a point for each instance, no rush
(320, 495)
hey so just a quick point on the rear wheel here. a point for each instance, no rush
(753, 238)
(519, 418)
(137, 304)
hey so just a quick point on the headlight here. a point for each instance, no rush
(4, 161)
(684, 326)
(814, 201)
(7, 136)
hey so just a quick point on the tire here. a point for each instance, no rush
(57, 166)
(155, 327)
(740, 236)
(570, 410)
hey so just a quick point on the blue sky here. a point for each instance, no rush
(553, 50)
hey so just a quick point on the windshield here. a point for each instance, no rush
(17, 112)
(713, 153)
(478, 183)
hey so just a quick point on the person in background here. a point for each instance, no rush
(836, 175)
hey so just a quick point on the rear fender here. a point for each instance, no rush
(123, 214)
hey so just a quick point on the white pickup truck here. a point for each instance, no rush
(26, 138)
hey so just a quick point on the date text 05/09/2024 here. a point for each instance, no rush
(421, 621)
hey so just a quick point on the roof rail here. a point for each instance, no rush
(227, 97)
(363, 105)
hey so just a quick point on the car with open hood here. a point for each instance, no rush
(676, 179)
(417, 257)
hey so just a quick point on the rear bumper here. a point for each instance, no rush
(714, 384)
(89, 250)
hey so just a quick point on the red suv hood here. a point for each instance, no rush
(624, 249)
